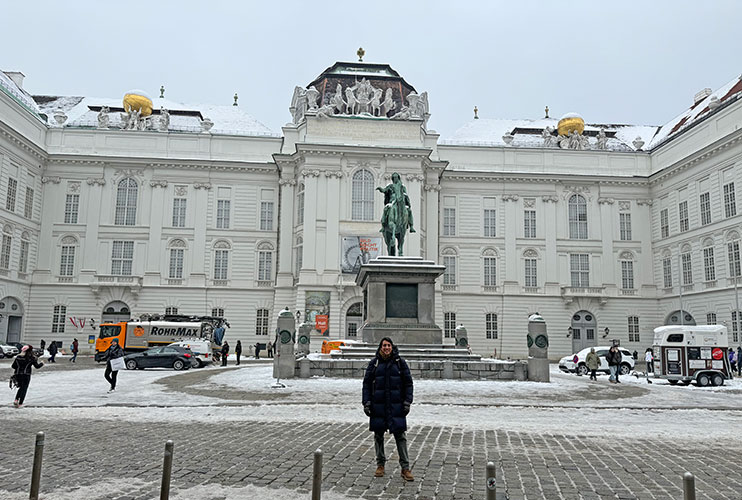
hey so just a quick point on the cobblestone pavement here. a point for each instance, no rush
(448, 463)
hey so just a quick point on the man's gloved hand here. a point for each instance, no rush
(406, 408)
(367, 409)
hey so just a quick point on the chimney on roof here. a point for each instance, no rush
(17, 77)
(703, 94)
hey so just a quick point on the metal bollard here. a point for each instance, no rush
(491, 477)
(317, 475)
(689, 486)
(167, 469)
(36, 472)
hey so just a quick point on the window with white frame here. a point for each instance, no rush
(683, 216)
(710, 318)
(261, 322)
(67, 260)
(223, 208)
(449, 275)
(179, 212)
(449, 325)
(362, 195)
(736, 325)
(300, 204)
(449, 222)
(11, 194)
(634, 329)
(28, 203)
(265, 259)
(71, 208)
(221, 261)
(59, 316)
(531, 278)
(687, 265)
(25, 248)
(733, 258)
(709, 268)
(489, 217)
(177, 256)
(490, 271)
(529, 223)
(577, 217)
(490, 325)
(299, 254)
(5, 249)
(705, 202)
(730, 203)
(126, 202)
(625, 226)
(579, 268)
(627, 274)
(667, 272)
(217, 312)
(266, 216)
(122, 258)
(664, 223)
(171, 310)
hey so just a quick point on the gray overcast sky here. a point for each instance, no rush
(623, 61)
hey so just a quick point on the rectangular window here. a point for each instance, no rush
(733, 257)
(664, 223)
(683, 215)
(23, 264)
(687, 268)
(264, 266)
(222, 214)
(266, 216)
(730, 204)
(449, 324)
(221, 264)
(490, 271)
(710, 318)
(449, 222)
(627, 274)
(667, 272)
(579, 266)
(261, 322)
(530, 273)
(529, 223)
(705, 201)
(736, 324)
(352, 329)
(490, 325)
(5, 252)
(58, 319)
(625, 226)
(67, 261)
(179, 212)
(217, 312)
(122, 258)
(71, 207)
(28, 204)
(176, 263)
(490, 223)
(171, 310)
(709, 270)
(12, 191)
(633, 328)
(449, 275)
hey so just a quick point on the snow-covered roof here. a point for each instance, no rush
(83, 112)
(8, 86)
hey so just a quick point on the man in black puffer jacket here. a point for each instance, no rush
(387, 397)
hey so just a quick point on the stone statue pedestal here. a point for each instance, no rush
(399, 300)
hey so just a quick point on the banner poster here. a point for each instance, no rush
(357, 250)
(317, 312)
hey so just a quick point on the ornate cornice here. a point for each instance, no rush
(158, 183)
(310, 173)
(415, 177)
(510, 197)
(202, 185)
(647, 202)
(286, 182)
(432, 187)
(24, 145)
(98, 181)
(52, 179)
(606, 201)
(264, 168)
(333, 173)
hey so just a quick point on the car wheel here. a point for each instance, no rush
(178, 364)
(131, 365)
(196, 363)
(582, 369)
(717, 379)
(703, 380)
(673, 382)
(625, 369)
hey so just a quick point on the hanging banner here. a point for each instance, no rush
(321, 323)
(317, 305)
(357, 250)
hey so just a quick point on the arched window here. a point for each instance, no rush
(362, 195)
(627, 270)
(577, 217)
(126, 202)
(450, 260)
(489, 262)
(300, 204)
(177, 257)
(265, 261)
(5, 247)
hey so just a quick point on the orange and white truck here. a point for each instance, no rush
(688, 354)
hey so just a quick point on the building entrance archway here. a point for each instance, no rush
(353, 320)
(680, 318)
(583, 328)
(115, 312)
(11, 322)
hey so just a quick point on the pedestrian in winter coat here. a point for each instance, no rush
(257, 350)
(52, 351)
(42, 345)
(733, 360)
(238, 351)
(387, 397)
(269, 349)
(739, 365)
(75, 348)
(649, 358)
(593, 362)
(114, 351)
(614, 363)
(22, 365)
(225, 352)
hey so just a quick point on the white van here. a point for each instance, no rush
(201, 349)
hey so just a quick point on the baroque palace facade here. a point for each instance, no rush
(112, 209)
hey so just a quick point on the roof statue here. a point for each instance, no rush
(360, 53)
(548, 135)
(397, 216)
(476, 116)
(164, 120)
(235, 99)
(162, 91)
(103, 118)
(602, 142)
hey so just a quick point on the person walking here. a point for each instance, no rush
(225, 352)
(739, 365)
(114, 351)
(386, 398)
(75, 348)
(42, 345)
(269, 349)
(22, 364)
(649, 359)
(257, 350)
(593, 362)
(733, 360)
(52, 351)
(238, 351)
(614, 363)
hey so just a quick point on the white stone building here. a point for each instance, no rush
(606, 233)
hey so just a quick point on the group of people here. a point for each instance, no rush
(270, 348)
(734, 360)
(613, 358)
(54, 350)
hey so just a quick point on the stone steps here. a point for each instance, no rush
(433, 352)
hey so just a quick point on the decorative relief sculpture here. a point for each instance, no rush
(312, 96)
(548, 135)
(158, 183)
(287, 182)
(202, 185)
(73, 187)
(574, 140)
(181, 190)
(529, 202)
(602, 142)
(549, 198)
(164, 120)
(624, 206)
(53, 180)
(95, 181)
(133, 120)
(605, 201)
(638, 143)
(103, 118)
(510, 197)
(388, 105)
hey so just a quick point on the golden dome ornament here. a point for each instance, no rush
(138, 100)
(571, 122)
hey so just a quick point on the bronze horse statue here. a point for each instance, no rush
(397, 216)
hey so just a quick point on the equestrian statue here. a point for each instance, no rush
(397, 215)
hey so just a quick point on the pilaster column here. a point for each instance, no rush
(286, 230)
(549, 218)
(605, 232)
(311, 198)
(53, 194)
(332, 243)
(155, 246)
(511, 250)
(201, 206)
(432, 223)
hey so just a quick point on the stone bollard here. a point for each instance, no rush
(284, 364)
(491, 478)
(36, 472)
(305, 331)
(167, 469)
(317, 475)
(447, 369)
(538, 349)
(520, 372)
(689, 486)
(305, 368)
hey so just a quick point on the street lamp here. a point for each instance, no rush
(606, 332)
(569, 332)
(298, 316)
